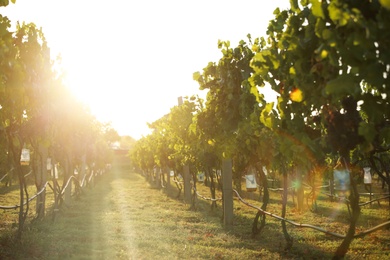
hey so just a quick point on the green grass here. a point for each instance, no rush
(123, 217)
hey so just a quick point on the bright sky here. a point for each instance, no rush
(131, 60)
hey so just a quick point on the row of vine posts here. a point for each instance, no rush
(188, 181)
(46, 172)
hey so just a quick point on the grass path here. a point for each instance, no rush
(122, 217)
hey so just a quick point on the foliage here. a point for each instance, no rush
(329, 63)
(38, 112)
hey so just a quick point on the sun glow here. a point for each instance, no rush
(130, 61)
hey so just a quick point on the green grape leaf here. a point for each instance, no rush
(255, 92)
(385, 134)
(385, 4)
(4, 2)
(337, 15)
(342, 85)
(196, 75)
(294, 5)
(266, 118)
(320, 27)
(367, 130)
(317, 8)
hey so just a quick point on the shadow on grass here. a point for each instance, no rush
(307, 242)
(69, 235)
(6, 189)
(89, 229)
(271, 238)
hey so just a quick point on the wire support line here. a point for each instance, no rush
(317, 188)
(83, 180)
(205, 198)
(280, 189)
(361, 234)
(292, 187)
(90, 177)
(28, 201)
(371, 201)
(178, 182)
(373, 194)
(344, 199)
(51, 187)
(28, 174)
(66, 185)
(77, 182)
(2, 178)
(5, 175)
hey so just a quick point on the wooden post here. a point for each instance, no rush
(331, 188)
(168, 176)
(83, 166)
(158, 177)
(187, 184)
(54, 175)
(41, 178)
(300, 190)
(227, 193)
(67, 175)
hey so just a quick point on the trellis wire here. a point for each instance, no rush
(61, 193)
(361, 234)
(5, 175)
(203, 197)
(28, 201)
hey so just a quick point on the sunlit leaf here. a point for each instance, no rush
(196, 76)
(294, 5)
(275, 63)
(385, 4)
(259, 57)
(255, 48)
(255, 92)
(266, 116)
(337, 15)
(317, 8)
(324, 54)
(296, 95)
(320, 26)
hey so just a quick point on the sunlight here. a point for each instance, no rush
(119, 234)
(269, 94)
(130, 62)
